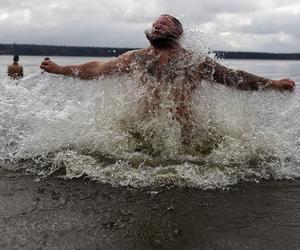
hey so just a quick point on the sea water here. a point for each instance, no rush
(57, 125)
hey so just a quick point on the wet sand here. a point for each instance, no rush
(55, 213)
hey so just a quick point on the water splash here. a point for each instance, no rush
(200, 39)
(94, 128)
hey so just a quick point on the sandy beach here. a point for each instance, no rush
(54, 213)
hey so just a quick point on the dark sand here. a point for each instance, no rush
(79, 214)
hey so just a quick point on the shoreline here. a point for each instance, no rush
(55, 213)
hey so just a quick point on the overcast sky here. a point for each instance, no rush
(236, 25)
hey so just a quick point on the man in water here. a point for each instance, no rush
(15, 70)
(168, 70)
(164, 44)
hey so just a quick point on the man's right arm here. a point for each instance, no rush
(21, 71)
(84, 71)
(91, 70)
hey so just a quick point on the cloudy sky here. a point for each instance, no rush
(236, 25)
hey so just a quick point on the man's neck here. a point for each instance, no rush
(164, 44)
(167, 49)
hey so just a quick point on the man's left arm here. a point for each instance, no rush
(21, 72)
(242, 79)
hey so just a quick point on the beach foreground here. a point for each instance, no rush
(55, 213)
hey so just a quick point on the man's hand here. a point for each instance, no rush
(283, 84)
(50, 66)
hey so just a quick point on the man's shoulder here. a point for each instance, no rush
(15, 65)
(133, 55)
(11, 67)
(135, 52)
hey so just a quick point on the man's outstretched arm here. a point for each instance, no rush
(241, 79)
(90, 70)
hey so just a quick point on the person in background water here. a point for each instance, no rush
(15, 70)
(165, 64)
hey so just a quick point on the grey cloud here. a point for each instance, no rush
(274, 23)
(122, 22)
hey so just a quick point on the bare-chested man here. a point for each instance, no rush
(165, 64)
(15, 70)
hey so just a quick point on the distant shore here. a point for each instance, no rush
(51, 50)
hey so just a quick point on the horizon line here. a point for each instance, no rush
(133, 48)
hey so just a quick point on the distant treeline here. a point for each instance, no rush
(257, 55)
(50, 50)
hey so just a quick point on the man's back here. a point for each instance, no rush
(15, 71)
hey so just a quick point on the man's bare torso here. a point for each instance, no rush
(168, 75)
(169, 78)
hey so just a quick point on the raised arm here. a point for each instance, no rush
(240, 79)
(91, 70)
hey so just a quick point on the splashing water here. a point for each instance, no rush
(59, 125)
(198, 37)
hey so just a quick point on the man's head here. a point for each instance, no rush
(16, 58)
(165, 32)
